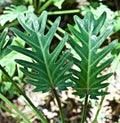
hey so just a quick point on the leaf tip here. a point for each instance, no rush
(104, 14)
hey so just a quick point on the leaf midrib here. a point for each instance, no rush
(89, 61)
(45, 61)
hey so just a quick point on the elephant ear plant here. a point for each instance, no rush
(53, 71)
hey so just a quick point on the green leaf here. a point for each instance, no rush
(7, 61)
(32, 22)
(12, 12)
(88, 78)
(10, 65)
(48, 70)
(111, 16)
(58, 3)
(4, 43)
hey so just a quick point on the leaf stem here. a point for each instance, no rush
(36, 4)
(84, 109)
(59, 29)
(38, 113)
(64, 12)
(99, 107)
(15, 108)
(14, 23)
(59, 105)
(17, 118)
(46, 4)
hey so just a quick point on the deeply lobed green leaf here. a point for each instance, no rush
(48, 70)
(88, 79)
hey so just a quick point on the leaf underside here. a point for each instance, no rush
(48, 70)
(88, 80)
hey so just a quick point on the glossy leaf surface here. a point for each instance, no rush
(49, 70)
(88, 79)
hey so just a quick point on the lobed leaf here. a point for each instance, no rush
(90, 67)
(12, 12)
(49, 69)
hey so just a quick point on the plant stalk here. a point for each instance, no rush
(37, 112)
(64, 12)
(99, 107)
(59, 104)
(14, 23)
(84, 109)
(59, 29)
(36, 5)
(47, 3)
(2, 107)
(15, 108)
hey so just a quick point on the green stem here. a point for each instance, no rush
(99, 107)
(56, 35)
(15, 108)
(38, 113)
(12, 114)
(59, 29)
(14, 23)
(84, 109)
(47, 3)
(40, 3)
(5, 109)
(36, 5)
(59, 105)
(64, 12)
(115, 65)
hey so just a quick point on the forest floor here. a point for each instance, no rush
(72, 106)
